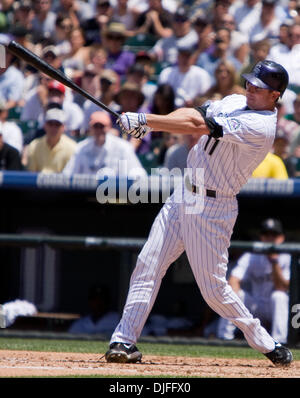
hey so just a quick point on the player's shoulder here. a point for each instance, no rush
(228, 104)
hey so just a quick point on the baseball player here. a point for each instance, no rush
(262, 282)
(236, 132)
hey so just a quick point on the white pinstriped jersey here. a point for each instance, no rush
(248, 136)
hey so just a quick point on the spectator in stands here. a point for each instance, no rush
(99, 318)
(220, 51)
(51, 153)
(295, 116)
(77, 10)
(271, 167)
(79, 56)
(163, 100)
(51, 55)
(155, 21)
(268, 25)
(7, 15)
(281, 148)
(23, 14)
(262, 283)
(93, 27)
(48, 94)
(11, 82)
(124, 14)
(10, 158)
(144, 58)
(43, 22)
(90, 82)
(225, 81)
(206, 35)
(139, 75)
(109, 87)
(63, 27)
(291, 60)
(11, 132)
(218, 10)
(98, 57)
(246, 15)
(239, 43)
(165, 50)
(130, 98)
(163, 103)
(187, 80)
(280, 49)
(118, 59)
(258, 52)
(176, 155)
(103, 150)
(289, 128)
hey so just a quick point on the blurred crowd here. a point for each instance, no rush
(137, 56)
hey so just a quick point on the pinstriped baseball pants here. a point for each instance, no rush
(205, 237)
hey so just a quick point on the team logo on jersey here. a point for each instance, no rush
(222, 114)
(234, 124)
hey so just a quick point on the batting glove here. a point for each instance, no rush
(134, 124)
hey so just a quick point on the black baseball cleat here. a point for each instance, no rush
(123, 353)
(280, 356)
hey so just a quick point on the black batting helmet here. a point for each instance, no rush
(270, 75)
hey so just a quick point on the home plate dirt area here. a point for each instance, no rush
(45, 364)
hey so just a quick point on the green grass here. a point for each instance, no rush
(99, 347)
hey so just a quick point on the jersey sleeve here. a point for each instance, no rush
(238, 126)
(244, 129)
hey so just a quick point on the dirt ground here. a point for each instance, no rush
(28, 364)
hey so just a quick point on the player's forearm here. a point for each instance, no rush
(181, 121)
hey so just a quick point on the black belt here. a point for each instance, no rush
(209, 192)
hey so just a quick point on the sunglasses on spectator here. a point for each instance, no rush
(104, 5)
(54, 123)
(114, 37)
(104, 80)
(180, 19)
(89, 74)
(98, 126)
(66, 26)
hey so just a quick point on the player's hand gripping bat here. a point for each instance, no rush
(26, 55)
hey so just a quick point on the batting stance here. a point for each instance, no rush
(236, 133)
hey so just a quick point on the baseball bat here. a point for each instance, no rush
(26, 55)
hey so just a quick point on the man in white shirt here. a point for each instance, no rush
(187, 80)
(262, 282)
(34, 108)
(246, 15)
(268, 25)
(104, 150)
(11, 132)
(12, 82)
(166, 50)
(290, 58)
